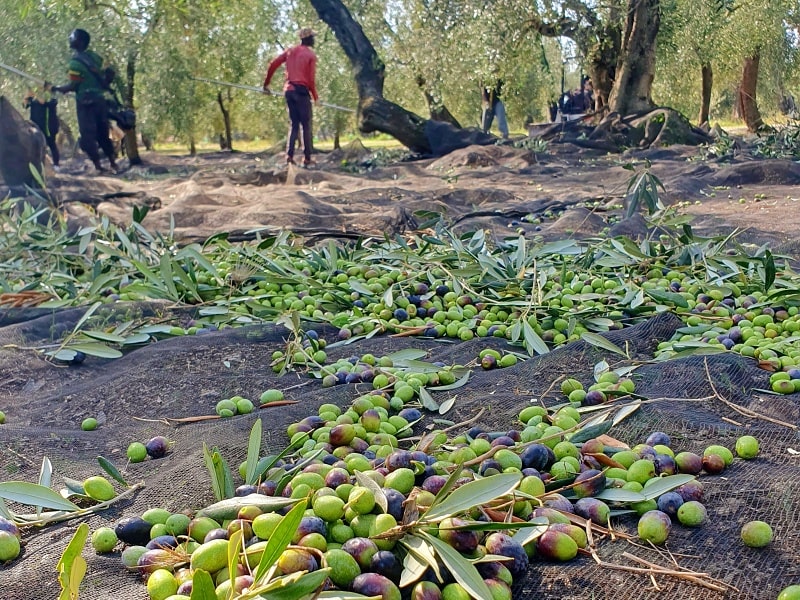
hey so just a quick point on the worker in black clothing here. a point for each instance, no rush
(43, 115)
(87, 79)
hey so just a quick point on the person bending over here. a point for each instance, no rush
(42, 106)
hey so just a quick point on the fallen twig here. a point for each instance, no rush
(741, 409)
(490, 453)
(299, 385)
(703, 579)
(62, 515)
(279, 403)
(452, 427)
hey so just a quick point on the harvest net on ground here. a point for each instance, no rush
(253, 298)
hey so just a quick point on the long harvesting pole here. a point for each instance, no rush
(11, 69)
(252, 88)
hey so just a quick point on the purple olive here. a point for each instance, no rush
(157, 447)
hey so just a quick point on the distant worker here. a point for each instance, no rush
(89, 80)
(576, 103)
(299, 89)
(587, 94)
(43, 114)
(493, 107)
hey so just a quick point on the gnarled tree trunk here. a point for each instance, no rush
(637, 60)
(707, 76)
(746, 101)
(226, 143)
(602, 64)
(22, 145)
(131, 148)
(437, 109)
(374, 112)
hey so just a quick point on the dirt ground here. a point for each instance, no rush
(566, 191)
(352, 193)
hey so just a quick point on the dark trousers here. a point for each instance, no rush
(93, 127)
(51, 142)
(299, 104)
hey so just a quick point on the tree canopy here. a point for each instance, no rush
(434, 53)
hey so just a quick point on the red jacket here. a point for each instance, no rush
(301, 67)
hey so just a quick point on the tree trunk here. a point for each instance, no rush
(637, 60)
(602, 64)
(226, 143)
(192, 147)
(707, 75)
(374, 112)
(337, 143)
(131, 148)
(602, 76)
(748, 107)
(437, 109)
(599, 42)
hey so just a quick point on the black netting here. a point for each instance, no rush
(185, 376)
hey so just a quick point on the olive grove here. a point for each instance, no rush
(414, 60)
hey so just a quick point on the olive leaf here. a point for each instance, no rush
(668, 298)
(769, 270)
(489, 526)
(423, 553)
(455, 385)
(533, 343)
(4, 512)
(445, 406)
(104, 336)
(527, 535)
(473, 494)
(427, 400)
(460, 568)
(339, 595)
(620, 495)
(111, 470)
(227, 509)
(662, 485)
(202, 586)
(234, 544)
(599, 341)
(625, 412)
(600, 368)
(253, 450)
(377, 491)
(95, 349)
(34, 495)
(590, 432)
(299, 466)
(279, 540)
(74, 487)
(405, 355)
(220, 472)
(45, 477)
(71, 566)
(269, 464)
(296, 586)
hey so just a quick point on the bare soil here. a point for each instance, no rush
(564, 192)
(350, 193)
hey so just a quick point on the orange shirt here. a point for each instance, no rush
(301, 67)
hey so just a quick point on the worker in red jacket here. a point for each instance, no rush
(300, 87)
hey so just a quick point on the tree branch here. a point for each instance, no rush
(564, 26)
